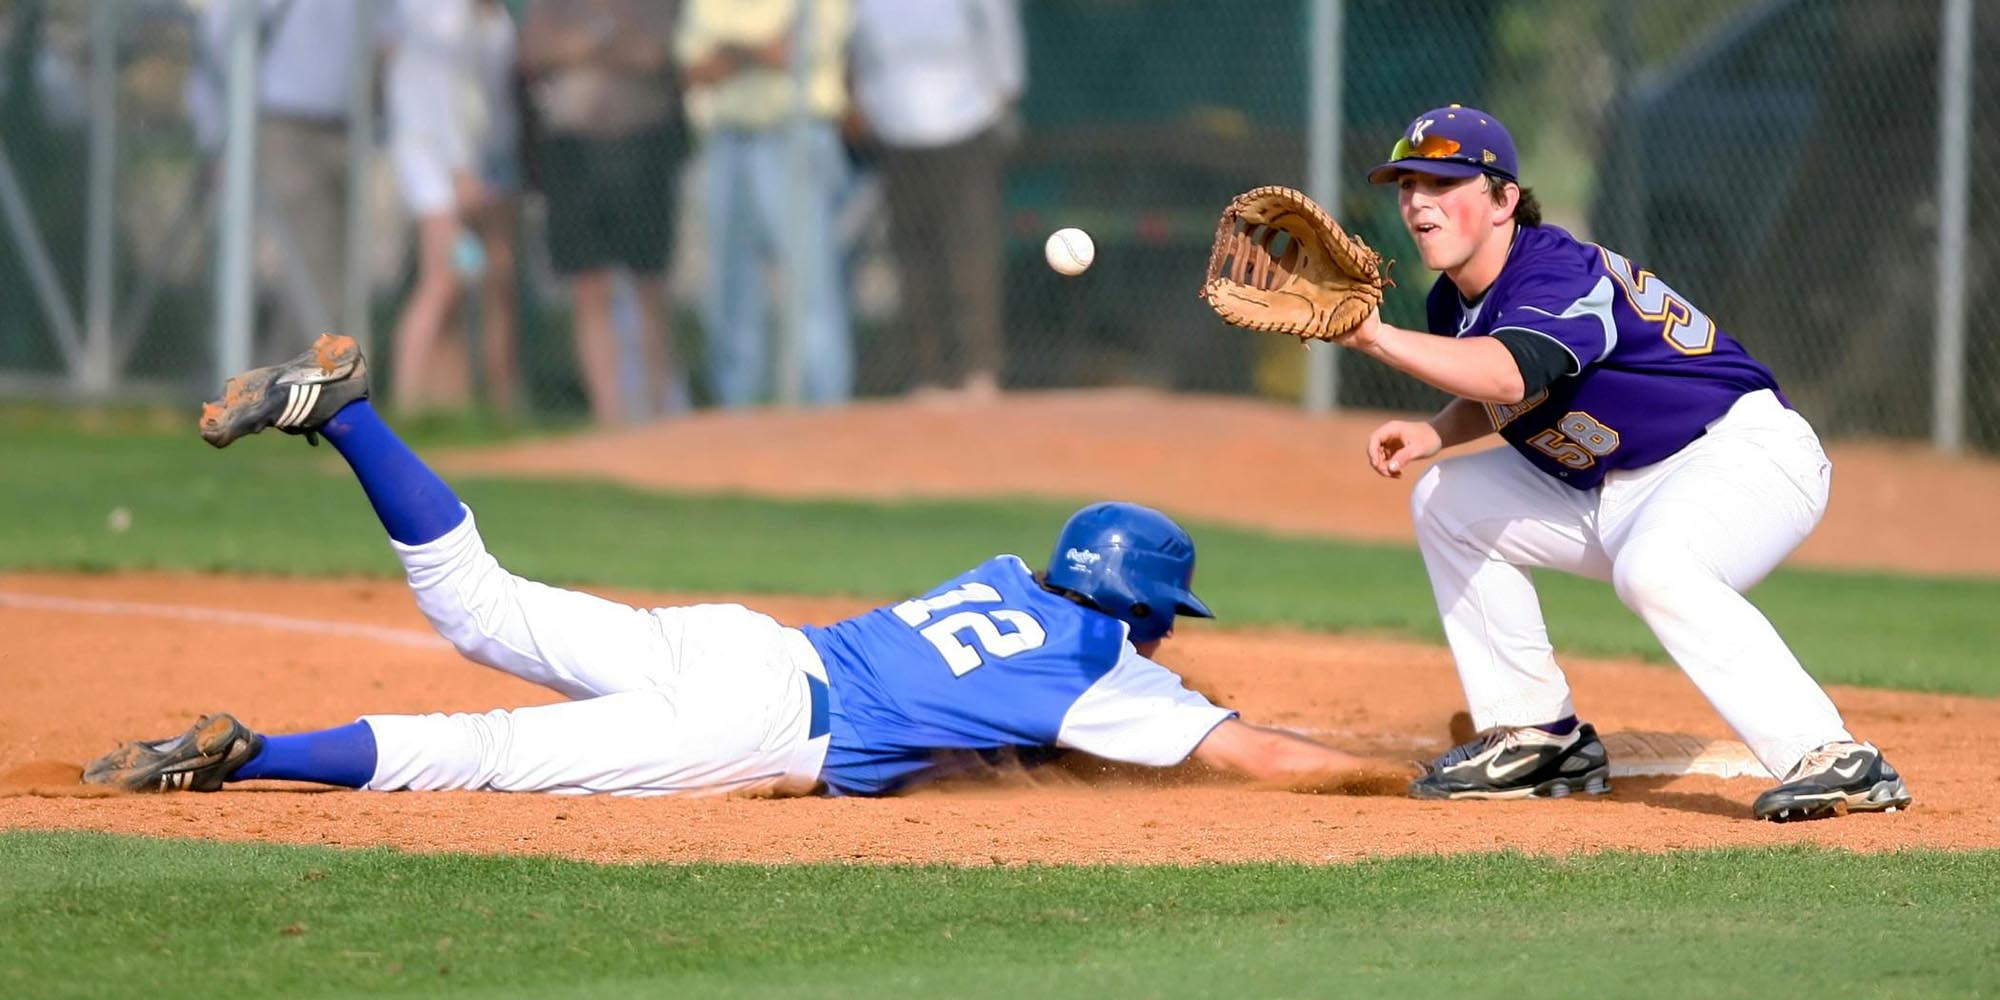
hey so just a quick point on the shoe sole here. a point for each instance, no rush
(211, 741)
(238, 413)
(214, 742)
(1596, 781)
(1884, 797)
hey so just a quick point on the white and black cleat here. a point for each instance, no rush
(198, 760)
(297, 396)
(1834, 780)
(1519, 763)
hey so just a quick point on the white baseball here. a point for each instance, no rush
(1069, 251)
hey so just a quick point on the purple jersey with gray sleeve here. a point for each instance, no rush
(1650, 371)
(989, 662)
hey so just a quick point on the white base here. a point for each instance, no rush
(1633, 754)
(1641, 754)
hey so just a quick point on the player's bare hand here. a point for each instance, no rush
(1364, 336)
(1396, 444)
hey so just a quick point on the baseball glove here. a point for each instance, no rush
(1280, 263)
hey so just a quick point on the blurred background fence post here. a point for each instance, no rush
(1326, 42)
(355, 270)
(789, 363)
(94, 376)
(1954, 150)
(237, 210)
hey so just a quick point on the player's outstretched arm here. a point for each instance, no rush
(1278, 759)
(1475, 368)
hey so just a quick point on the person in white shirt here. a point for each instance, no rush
(454, 140)
(936, 82)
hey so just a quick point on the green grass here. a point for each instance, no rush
(270, 505)
(92, 915)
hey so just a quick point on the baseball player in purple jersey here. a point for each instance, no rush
(1647, 449)
(999, 660)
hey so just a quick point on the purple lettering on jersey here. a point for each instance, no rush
(1650, 371)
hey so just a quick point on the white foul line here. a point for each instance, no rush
(219, 616)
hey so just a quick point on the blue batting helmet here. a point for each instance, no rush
(1133, 562)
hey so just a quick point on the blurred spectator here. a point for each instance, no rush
(39, 69)
(739, 60)
(608, 160)
(304, 74)
(936, 82)
(454, 138)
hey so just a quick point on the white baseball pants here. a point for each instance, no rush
(698, 700)
(1680, 540)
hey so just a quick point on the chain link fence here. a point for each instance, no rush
(1777, 161)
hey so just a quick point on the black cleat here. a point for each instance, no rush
(1836, 779)
(1518, 763)
(199, 760)
(296, 396)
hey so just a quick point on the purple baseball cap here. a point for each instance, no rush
(1452, 141)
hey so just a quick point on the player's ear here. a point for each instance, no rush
(1505, 195)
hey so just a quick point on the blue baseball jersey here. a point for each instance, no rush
(1650, 371)
(986, 663)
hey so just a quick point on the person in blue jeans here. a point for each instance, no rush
(999, 661)
(766, 90)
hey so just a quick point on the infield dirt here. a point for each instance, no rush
(286, 654)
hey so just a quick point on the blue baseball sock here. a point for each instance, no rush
(344, 756)
(1561, 727)
(413, 503)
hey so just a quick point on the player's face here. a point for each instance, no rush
(1450, 218)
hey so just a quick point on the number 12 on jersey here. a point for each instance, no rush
(987, 638)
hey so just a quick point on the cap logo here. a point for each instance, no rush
(1082, 559)
(1486, 156)
(1417, 131)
